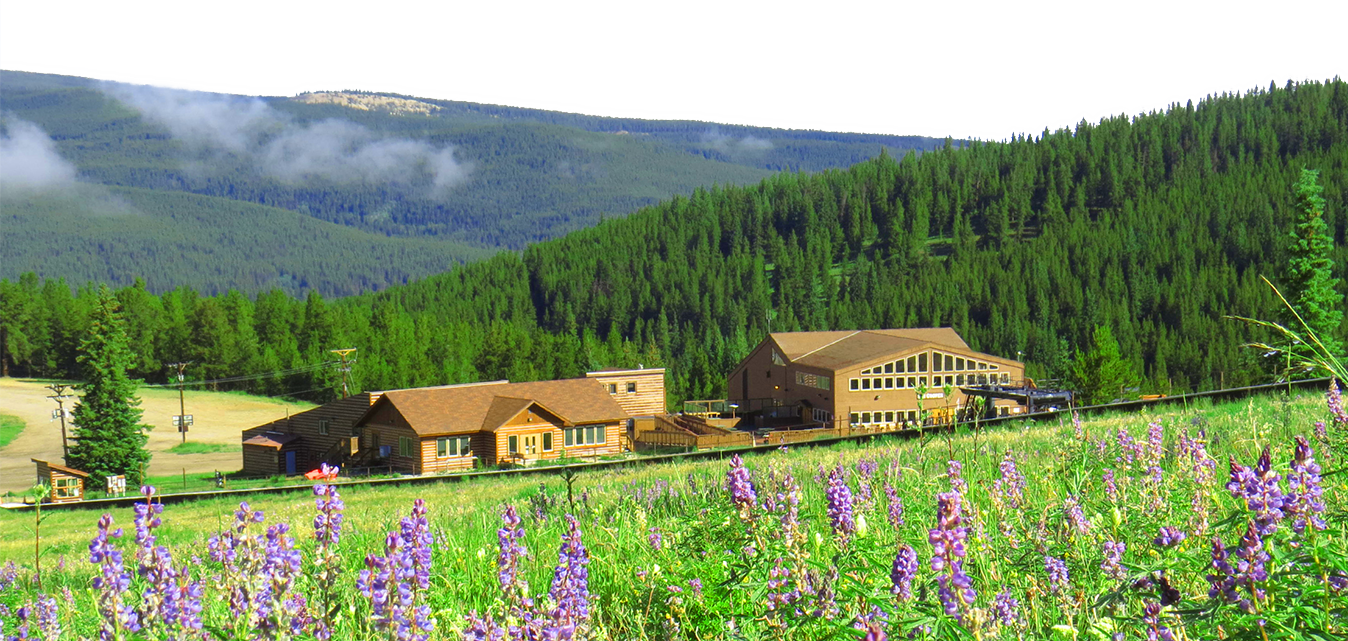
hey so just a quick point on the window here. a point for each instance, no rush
(889, 417)
(631, 388)
(877, 383)
(959, 364)
(744, 382)
(982, 366)
(66, 488)
(889, 383)
(612, 388)
(582, 435)
(825, 382)
(992, 366)
(949, 380)
(923, 381)
(865, 417)
(453, 446)
(912, 363)
(812, 380)
(323, 426)
(899, 367)
(769, 374)
(959, 379)
(441, 447)
(385, 451)
(912, 416)
(855, 418)
(855, 384)
(547, 437)
(912, 381)
(865, 383)
(513, 444)
(405, 446)
(922, 362)
(1006, 378)
(898, 382)
(982, 379)
(889, 368)
(1004, 411)
(936, 363)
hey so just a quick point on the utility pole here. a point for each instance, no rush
(345, 368)
(181, 420)
(59, 395)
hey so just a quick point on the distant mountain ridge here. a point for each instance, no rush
(482, 177)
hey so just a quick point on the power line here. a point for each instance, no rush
(252, 377)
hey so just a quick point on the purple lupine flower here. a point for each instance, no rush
(895, 506)
(1005, 608)
(170, 598)
(1305, 500)
(780, 594)
(840, 505)
(1334, 400)
(1076, 426)
(655, 539)
(1076, 519)
(1151, 617)
(905, 568)
(483, 628)
(867, 467)
(1010, 488)
(1338, 582)
(872, 623)
(792, 535)
(741, 487)
(1113, 558)
(1169, 536)
(571, 579)
(42, 614)
(1057, 574)
(696, 585)
(1321, 433)
(1111, 488)
(1264, 496)
(328, 520)
(1155, 447)
(954, 471)
(395, 582)
(112, 583)
(9, 575)
(1238, 583)
(1127, 448)
(947, 540)
(511, 555)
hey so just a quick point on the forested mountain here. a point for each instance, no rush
(1156, 226)
(481, 175)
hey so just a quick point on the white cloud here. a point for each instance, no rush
(29, 159)
(278, 146)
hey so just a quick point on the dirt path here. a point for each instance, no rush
(219, 419)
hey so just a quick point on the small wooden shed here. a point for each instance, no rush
(67, 484)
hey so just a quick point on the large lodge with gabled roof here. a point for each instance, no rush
(866, 378)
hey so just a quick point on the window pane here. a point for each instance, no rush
(442, 447)
(547, 441)
(631, 388)
(922, 362)
(825, 382)
(912, 381)
(865, 383)
(889, 383)
(899, 367)
(865, 417)
(856, 418)
(959, 379)
(959, 364)
(514, 444)
(568, 435)
(912, 363)
(465, 446)
(889, 417)
(889, 368)
(936, 363)
(855, 384)
(602, 436)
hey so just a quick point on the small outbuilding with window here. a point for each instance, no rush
(67, 484)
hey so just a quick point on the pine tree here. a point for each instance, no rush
(1310, 277)
(109, 437)
(1101, 375)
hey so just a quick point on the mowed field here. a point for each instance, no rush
(219, 417)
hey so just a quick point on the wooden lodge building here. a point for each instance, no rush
(866, 378)
(66, 483)
(457, 427)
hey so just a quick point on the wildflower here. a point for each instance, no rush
(1304, 498)
(1168, 537)
(1151, 616)
(905, 568)
(169, 598)
(1127, 448)
(571, 579)
(1111, 488)
(1334, 399)
(655, 539)
(1076, 426)
(1005, 608)
(779, 595)
(1155, 448)
(1113, 557)
(512, 551)
(1239, 583)
(867, 467)
(696, 585)
(741, 487)
(947, 540)
(112, 582)
(8, 576)
(895, 506)
(1010, 488)
(395, 582)
(840, 505)
(1057, 574)
(1076, 519)
(954, 472)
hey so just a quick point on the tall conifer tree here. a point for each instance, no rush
(109, 437)
(1311, 285)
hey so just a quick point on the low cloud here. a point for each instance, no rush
(333, 150)
(730, 144)
(29, 160)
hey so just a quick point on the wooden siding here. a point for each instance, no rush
(47, 475)
(431, 463)
(312, 448)
(261, 460)
(649, 397)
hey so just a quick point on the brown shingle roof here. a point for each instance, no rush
(475, 408)
(61, 468)
(272, 439)
(838, 350)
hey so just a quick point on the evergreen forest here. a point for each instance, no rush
(1156, 226)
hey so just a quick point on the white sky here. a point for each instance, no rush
(964, 69)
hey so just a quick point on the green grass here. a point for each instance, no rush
(193, 447)
(686, 503)
(10, 426)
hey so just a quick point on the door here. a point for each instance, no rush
(290, 462)
(531, 446)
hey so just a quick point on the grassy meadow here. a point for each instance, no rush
(681, 551)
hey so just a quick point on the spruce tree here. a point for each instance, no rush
(109, 437)
(1101, 375)
(1310, 281)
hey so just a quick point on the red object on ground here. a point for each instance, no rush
(318, 474)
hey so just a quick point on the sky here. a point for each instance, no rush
(983, 70)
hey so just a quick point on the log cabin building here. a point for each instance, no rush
(302, 441)
(459, 427)
(66, 483)
(866, 378)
